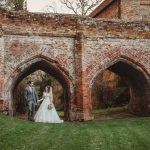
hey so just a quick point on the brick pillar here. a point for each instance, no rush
(82, 94)
(2, 74)
(3, 102)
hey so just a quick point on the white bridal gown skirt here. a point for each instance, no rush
(45, 115)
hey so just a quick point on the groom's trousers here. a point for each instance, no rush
(31, 110)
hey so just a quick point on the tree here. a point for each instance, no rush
(51, 8)
(80, 7)
(2, 3)
(16, 5)
(19, 5)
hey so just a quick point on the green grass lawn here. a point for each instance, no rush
(110, 110)
(124, 134)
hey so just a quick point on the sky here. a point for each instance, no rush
(42, 5)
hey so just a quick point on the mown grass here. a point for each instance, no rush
(124, 134)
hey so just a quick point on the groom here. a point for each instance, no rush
(31, 97)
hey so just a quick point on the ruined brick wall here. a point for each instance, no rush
(23, 51)
(135, 9)
(108, 41)
(76, 49)
(112, 11)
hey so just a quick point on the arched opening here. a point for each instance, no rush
(128, 87)
(40, 79)
(52, 69)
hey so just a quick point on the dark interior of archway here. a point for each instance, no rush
(121, 90)
(110, 96)
(46, 67)
(138, 86)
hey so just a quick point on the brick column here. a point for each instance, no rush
(2, 74)
(82, 94)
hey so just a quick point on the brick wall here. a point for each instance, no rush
(112, 11)
(126, 9)
(75, 51)
(135, 9)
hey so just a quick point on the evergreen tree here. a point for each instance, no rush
(19, 5)
(15, 5)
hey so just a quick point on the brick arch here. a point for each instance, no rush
(133, 62)
(137, 78)
(48, 65)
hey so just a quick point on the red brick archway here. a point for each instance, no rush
(47, 65)
(138, 81)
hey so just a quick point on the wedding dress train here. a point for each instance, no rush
(47, 115)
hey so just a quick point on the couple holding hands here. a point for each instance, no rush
(46, 113)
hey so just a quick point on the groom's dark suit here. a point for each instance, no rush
(31, 97)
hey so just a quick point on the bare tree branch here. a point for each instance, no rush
(51, 8)
(82, 7)
(93, 4)
(69, 4)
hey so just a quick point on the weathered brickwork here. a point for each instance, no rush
(108, 49)
(23, 51)
(135, 10)
(112, 11)
(123, 9)
(22, 48)
(74, 51)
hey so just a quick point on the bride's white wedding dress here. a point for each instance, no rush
(47, 115)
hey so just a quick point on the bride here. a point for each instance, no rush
(47, 112)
